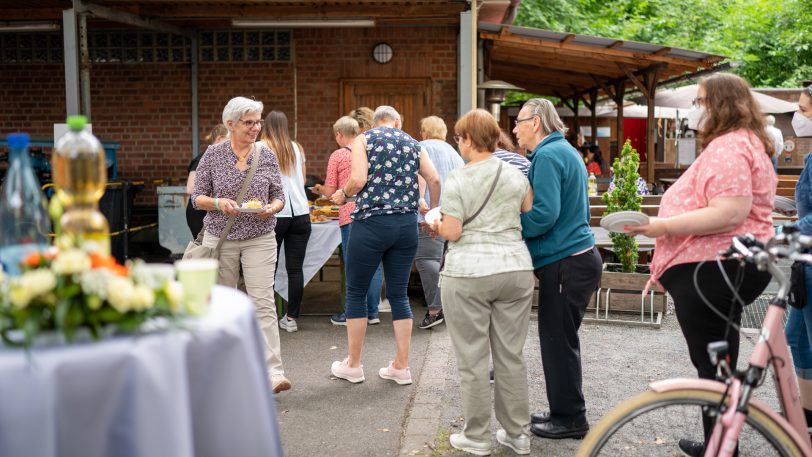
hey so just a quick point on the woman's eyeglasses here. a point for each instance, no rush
(251, 124)
(519, 121)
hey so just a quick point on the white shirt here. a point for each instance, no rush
(293, 185)
(778, 139)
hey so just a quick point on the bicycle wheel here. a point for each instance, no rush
(652, 423)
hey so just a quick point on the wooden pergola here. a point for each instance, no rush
(581, 68)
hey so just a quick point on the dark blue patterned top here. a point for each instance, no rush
(391, 188)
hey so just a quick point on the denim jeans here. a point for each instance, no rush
(391, 238)
(799, 337)
(374, 294)
(427, 262)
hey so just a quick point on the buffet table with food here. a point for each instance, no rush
(325, 237)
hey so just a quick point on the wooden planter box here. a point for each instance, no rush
(622, 293)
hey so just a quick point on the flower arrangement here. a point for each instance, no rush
(67, 290)
(624, 197)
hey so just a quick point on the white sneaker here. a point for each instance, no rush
(384, 306)
(288, 324)
(280, 383)
(459, 441)
(520, 444)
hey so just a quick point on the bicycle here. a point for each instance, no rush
(671, 407)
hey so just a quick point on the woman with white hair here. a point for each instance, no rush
(250, 243)
(565, 262)
(385, 165)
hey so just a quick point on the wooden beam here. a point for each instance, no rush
(662, 51)
(633, 78)
(610, 92)
(587, 49)
(615, 45)
(651, 127)
(593, 102)
(568, 38)
(620, 89)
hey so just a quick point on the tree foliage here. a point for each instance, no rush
(769, 40)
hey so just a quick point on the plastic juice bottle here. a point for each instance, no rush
(24, 222)
(592, 187)
(80, 176)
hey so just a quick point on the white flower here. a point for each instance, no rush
(121, 294)
(19, 296)
(174, 295)
(30, 285)
(95, 282)
(143, 297)
(71, 262)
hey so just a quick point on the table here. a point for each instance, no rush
(182, 393)
(324, 239)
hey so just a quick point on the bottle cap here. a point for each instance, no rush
(77, 123)
(18, 140)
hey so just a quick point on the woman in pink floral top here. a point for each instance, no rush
(338, 173)
(727, 191)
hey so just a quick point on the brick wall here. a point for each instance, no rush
(147, 107)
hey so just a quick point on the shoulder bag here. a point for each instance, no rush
(487, 197)
(195, 248)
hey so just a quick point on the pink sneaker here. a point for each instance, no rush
(402, 376)
(341, 370)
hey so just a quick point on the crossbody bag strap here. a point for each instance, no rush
(487, 197)
(244, 189)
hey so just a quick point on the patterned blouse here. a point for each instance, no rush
(218, 176)
(338, 173)
(733, 165)
(391, 188)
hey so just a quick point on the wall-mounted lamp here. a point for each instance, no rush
(23, 26)
(495, 91)
(295, 23)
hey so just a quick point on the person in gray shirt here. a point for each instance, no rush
(430, 249)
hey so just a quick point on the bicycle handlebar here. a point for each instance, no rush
(788, 244)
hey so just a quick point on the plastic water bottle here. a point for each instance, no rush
(80, 175)
(24, 221)
(592, 186)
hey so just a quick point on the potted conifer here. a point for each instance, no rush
(623, 282)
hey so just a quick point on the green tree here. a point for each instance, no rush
(769, 40)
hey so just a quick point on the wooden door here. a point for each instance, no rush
(411, 97)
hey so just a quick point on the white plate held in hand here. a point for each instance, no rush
(433, 216)
(250, 210)
(616, 222)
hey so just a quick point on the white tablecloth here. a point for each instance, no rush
(180, 393)
(324, 239)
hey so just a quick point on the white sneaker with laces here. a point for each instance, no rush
(288, 325)
(459, 441)
(520, 444)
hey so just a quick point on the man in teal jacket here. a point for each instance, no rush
(566, 263)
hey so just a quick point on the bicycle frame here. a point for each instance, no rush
(771, 348)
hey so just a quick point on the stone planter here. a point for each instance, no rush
(621, 293)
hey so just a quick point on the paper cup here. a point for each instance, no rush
(197, 276)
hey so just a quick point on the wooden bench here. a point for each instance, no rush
(786, 185)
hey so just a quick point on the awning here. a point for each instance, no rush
(683, 97)
(567, 65)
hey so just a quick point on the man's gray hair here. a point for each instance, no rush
(385, 113)
(770, 119)
(238, 107)
(545, 110)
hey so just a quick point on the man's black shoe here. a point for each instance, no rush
(691, 448)
(540, 418)
(556, 432)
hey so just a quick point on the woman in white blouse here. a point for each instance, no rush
(293, 222)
